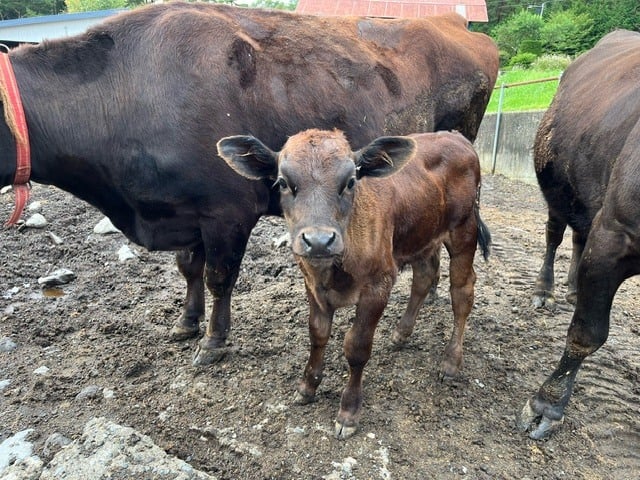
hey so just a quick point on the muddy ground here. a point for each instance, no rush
(236, 419)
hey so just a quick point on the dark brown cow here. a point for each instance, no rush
(587, 156)
(127, 115)
(351, 232)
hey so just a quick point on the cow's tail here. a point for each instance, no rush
(484, 235)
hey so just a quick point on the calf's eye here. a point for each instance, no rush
(349, 186)
(282, 184)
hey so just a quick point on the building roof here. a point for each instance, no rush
(472, 10)
(36, 29)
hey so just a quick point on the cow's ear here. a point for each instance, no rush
(384, 156)
(249, 157)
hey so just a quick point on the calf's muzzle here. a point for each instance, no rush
(318, 242)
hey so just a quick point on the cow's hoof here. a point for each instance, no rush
(207, 356)
(539, 426)
(544, 299)
(182, 332)
(342, 432)
(572, 297)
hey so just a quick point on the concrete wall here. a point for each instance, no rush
(514, 152)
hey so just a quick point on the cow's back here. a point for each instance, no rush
(367, 76)
(582, 133)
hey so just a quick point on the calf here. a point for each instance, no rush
(352, 230)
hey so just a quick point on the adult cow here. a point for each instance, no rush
(587, 156)
(126, 117)
(351, 232)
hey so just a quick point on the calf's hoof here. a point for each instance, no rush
(300, 398)
(398, 339)
(342, 431)
(539, 425)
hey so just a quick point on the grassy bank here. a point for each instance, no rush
(534, 96)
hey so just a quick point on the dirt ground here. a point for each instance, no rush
(236, 419)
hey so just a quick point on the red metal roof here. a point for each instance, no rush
(472, 10)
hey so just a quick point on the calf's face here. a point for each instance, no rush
(317, 174)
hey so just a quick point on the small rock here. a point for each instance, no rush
(11, 292)
(43, 370)
(104, 227)
(55, 238)
(107, 394)
(54, 443)
(7, 345)
(34, 206)
(282, 240)
(125, 253)
(6, 189)
(61, 276)
(36, 221)
(4, 384)
(15, 449)
(89, 392)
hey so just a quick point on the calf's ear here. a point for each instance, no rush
(249, 157)
(384, 156)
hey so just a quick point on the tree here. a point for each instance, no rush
(10, 9)
(510, 34)
(567, 32)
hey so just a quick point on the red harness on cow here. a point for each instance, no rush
(14, 116)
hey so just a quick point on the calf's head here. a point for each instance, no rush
(317, 174)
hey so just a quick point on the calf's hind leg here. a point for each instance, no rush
(426, 273)
(461, 248)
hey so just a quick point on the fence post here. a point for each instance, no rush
(494, 152)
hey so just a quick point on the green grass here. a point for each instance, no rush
(535, 96)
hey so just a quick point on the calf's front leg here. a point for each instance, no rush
(357, 349)
(320, 320)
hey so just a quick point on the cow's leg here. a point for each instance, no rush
(426, 272)
(224, 249)
(543, 293)
(461, 248)
(576, 255)
(357, 349)
(191, 266)
(606, 263)
(319, 331)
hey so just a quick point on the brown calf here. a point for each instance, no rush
(351, 232)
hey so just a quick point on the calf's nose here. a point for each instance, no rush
(319, 243)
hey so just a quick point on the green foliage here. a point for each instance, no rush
(521, 26)
(531, 96)
(567, 32)
(531, 46)
(523, 60)
(10, 9)
(548, 62)
(74, 6)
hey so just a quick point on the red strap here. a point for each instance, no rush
(15, 118)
